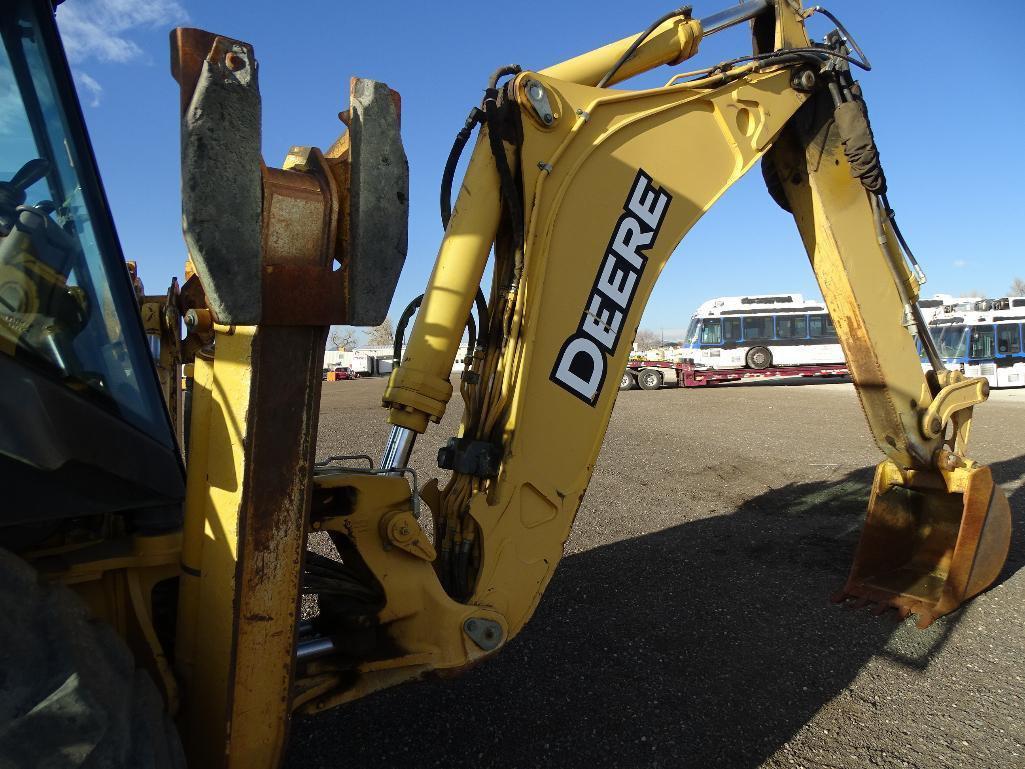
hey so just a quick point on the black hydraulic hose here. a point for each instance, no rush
(483, 320)
(471, 326)
(896, 230)
(682, 11)
(400, 327)
(865, 64)
(476, 116)
(471, 335)
(510, 196)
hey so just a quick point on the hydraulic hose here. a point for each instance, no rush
(476, 116)
(682, 11)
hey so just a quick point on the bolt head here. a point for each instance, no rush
(548, 118)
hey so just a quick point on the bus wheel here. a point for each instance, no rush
(628, 382)
(649, 380)
(759, 357)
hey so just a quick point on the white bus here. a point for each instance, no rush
(761, 332)
(983, 338)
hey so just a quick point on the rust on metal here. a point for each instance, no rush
(302, 241)
(930, 543)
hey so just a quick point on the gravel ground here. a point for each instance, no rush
(690, 624)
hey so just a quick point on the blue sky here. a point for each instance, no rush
(946, 105)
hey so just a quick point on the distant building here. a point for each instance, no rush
(374, 360)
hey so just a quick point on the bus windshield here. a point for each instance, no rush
(692, 331)
(951, 341)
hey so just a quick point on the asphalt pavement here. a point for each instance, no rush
(690, 625)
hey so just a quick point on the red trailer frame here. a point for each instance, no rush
(687, 375)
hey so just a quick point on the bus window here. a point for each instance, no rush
(791, 326)
(758, 327)
(711, 331)
(821, 326)
(982, 342)
(1008, 339)
(951, 341)
(731, 329)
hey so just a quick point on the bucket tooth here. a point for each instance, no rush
(930, 543)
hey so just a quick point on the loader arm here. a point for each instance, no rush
(584, 192)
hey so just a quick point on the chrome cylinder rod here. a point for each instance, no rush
(313, 648)
(732, 16)
(398, 449)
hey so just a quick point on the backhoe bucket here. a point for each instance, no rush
(931, 541)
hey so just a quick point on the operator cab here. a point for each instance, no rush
(84, 427)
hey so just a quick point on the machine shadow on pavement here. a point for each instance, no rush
(708, 644)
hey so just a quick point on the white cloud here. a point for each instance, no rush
(960, 264)
(95, 29)
(88, 89)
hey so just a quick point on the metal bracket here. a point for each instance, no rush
(538, 98)
(952, 398)
(486, 633)
(415, 496)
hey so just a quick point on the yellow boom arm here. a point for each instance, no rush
(584, 193)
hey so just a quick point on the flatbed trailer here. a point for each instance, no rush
(653, 374)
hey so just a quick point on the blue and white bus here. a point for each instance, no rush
(760, 332)
(985, 340)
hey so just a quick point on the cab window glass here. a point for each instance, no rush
(66, 307)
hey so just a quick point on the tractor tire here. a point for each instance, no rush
(650, 379)
(628, 382)
(759, 358)
(773, 183)
(70, 694)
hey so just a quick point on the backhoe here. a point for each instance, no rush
(155, 538)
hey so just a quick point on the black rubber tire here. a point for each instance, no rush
(628, 382)
(650, 379)
(773, 183)
(70, 694)
(758, 358)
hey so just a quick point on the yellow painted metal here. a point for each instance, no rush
(419, 388)
(424, 626)
(673, 41)
(932, 539)
(687, 142)
(214, 495)
(694, 145)
(249, 490)
(194, 526)
(837, 224)
(952, 398)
